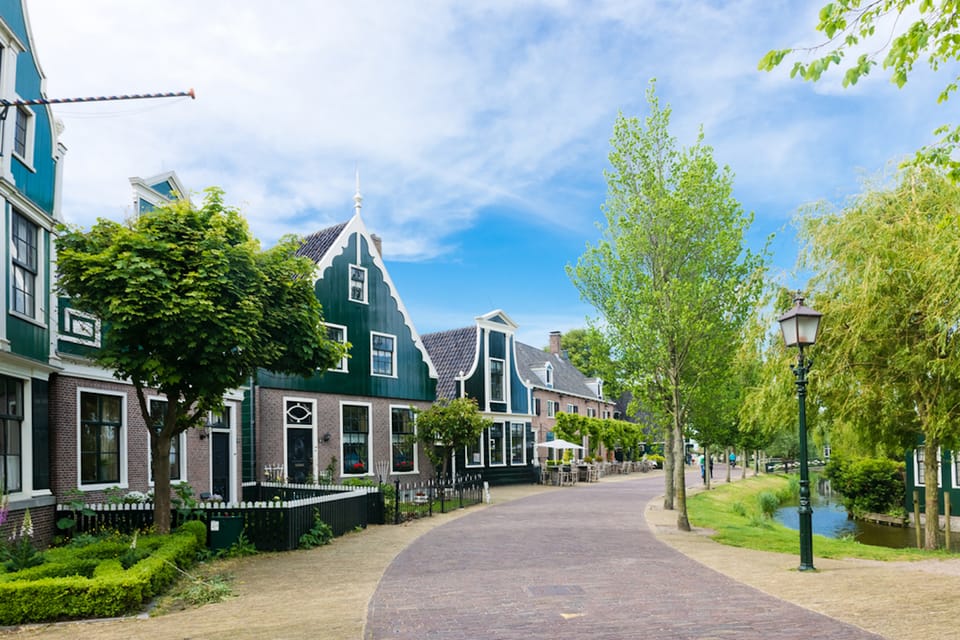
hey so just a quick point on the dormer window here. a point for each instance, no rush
(549, 375)
(358, 284)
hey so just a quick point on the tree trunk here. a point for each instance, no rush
(726, 452)
(931, 473)
(707, 471)
(680, 480)
(160, 462)
(668, 484)
(743, 464)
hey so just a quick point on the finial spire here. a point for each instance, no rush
(357, 198)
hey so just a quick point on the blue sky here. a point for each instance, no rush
(480, 130)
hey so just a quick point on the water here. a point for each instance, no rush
(830, 520)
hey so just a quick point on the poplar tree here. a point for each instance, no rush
(670, 275)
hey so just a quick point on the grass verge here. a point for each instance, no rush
(734, 513)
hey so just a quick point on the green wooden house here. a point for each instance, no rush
(480, 362)
(356, 419)
(947, 483)
(30, 177)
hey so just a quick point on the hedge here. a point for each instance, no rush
(91, 582)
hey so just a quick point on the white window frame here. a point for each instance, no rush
(182, 451)
(591, 412)
(548, 375)
(467, 462)
(503, 379)
(343, 367)
(39, 289)
(230, 410)
(369, 471)
(503, 444)
(523, 443)
(364, 290)
(122, 445)
(80, 327)
(552, 406)
(416, 453)
(30, 120)
(571, 408)
(918, 479)
(393, 358)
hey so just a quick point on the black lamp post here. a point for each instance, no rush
(799, 327)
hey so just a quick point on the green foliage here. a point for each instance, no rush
(868, 485)
(878, 26)
(193, 308)
(210, 590)
(739, 509)
(186, 503)
(92, 582)
(320, 533)
(670, 275)
(449, 425)
(589, 351)
(768, 502)
(886, 272)
(241, 548)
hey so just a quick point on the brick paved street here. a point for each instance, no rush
(577, 562)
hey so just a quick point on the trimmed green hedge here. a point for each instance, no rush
(92, 583)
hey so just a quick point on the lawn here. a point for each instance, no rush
(733, 511)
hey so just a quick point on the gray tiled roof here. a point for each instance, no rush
(316, 245)
(452, 352)
(566, 377)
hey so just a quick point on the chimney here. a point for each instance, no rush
(555, 343)
(378, 243)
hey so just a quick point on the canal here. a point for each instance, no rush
(830, 520)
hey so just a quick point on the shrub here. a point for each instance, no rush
(873, 485)
(738, 508)
(319, 535)
(768, 503)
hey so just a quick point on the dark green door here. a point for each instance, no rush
(299, 454)
(220, 463)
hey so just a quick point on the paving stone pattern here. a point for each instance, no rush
(577, 562)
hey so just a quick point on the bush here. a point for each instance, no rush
(768, 503)
(872, 485)
(89, 583)
(319, 535)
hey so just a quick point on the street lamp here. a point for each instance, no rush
(799, 327)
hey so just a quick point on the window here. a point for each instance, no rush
(536, 406)
(473, 453)
(402, 437)
(158, 409)
(918, 471)
(23, 134)
(571, 408)
(516, 443)
(298, 413)
(551, 409)
(355, 423)
(497, 442)
(549, 376)
(11, 446)
(358, 284)
(100, 429)
(591, 412)
(23, 251)
(338, 333)
(496, 380)
(383, 355)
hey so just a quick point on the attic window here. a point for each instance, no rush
(358, 284)
(549, 376)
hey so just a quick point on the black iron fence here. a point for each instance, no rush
(272, 516)
(423, 499)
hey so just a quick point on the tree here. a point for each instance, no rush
(589, 351)
(448, 426)
(877, 26)
(887, 273)
(670, 275)
(192, 307)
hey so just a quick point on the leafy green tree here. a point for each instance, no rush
(887, 273)
(590, 352)
(448, 426)
(907, 31)
(192, 308)
(670, 275)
